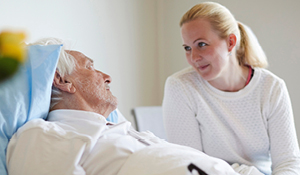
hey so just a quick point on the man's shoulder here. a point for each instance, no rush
(38, 125)
(35, 123)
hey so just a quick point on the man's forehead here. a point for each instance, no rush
(78, 55)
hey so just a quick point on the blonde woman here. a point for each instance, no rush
(227, 104)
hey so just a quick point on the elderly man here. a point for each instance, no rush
(77, 139)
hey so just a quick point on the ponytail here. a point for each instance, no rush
(249, 51)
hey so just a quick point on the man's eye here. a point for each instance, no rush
(187, 48)
(90, 66)
(202, 44)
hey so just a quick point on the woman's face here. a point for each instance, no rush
(204, 49)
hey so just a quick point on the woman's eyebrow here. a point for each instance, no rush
(197, 39)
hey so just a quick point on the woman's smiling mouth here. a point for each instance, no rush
(203, 67)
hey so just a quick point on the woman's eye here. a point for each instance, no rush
(187, 48)
(202, 44)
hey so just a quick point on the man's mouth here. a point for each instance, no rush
(107, 87)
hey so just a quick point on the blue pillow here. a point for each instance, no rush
(27, 94)
(113, 117)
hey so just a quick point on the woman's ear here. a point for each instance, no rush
(231, 42)
(63, 84)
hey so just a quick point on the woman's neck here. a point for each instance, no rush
(232, 79)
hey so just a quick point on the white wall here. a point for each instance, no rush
(138, 42)
(130, 37)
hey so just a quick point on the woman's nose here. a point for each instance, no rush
(195, 55)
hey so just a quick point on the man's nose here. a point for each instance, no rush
(106, 78)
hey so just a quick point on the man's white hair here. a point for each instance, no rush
(65, 66)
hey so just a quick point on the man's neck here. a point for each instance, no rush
(77, 104)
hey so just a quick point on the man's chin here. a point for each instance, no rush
(114, 101)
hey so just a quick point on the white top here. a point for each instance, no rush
(79, 142)
(253, 126)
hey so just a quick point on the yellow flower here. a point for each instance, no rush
(11, 46)
(12, 53)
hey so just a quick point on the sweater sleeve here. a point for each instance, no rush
(283, 140)
(37, 150)
(180, 120)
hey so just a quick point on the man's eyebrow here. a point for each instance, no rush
(90, 59)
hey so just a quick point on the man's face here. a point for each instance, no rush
(91, 84)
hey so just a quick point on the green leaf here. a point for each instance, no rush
(8, 67)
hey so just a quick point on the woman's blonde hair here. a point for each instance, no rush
(248, 49)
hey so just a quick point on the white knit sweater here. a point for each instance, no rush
(253, 126)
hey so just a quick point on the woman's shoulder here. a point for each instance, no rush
(268, 79)
(184, 74)
(268, 76)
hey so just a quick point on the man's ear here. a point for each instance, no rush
(231, 42)
(63, 84)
